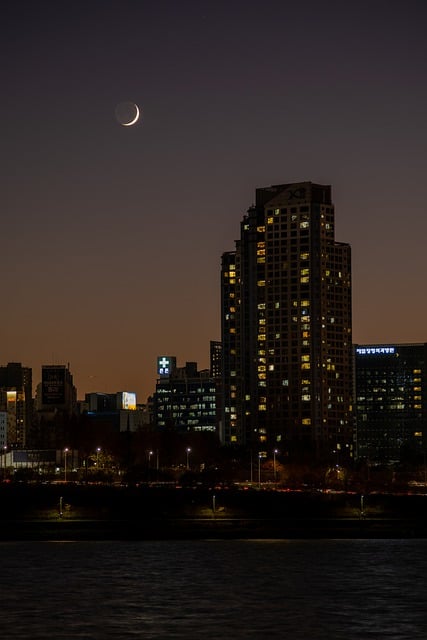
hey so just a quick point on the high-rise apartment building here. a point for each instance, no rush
(391, 407)
(287, 327)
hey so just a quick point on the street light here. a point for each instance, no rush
(274, 463)
(98, 449)
(4, 461)
(188, 450)
(259, 470)
(65, 464)
(150, 453)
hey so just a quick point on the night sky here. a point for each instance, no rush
(111, 236)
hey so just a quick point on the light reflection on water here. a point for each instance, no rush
(334, 589)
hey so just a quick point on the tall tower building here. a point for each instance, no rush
(286, 328)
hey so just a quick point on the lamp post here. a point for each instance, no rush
(188, 450)
(4, 461)
(259, 470)
(65, 464)
(98, 449)
(274, 464)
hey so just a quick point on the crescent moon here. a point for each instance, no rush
(135, 119)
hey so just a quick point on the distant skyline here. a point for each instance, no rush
(112, 236)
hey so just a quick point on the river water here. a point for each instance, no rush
(206, 589)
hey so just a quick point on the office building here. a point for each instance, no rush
(185, 398)
(287, 329)
(16, 401)
(56, 392)
(391, 407)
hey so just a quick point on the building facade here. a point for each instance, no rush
(185, 398)
(391, 408)
(16, 401)
(287, 374)
(56, 391)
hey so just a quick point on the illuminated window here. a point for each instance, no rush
(269, 220)
(261, 229)
(306, 421)
(262, 407)
(261, 283)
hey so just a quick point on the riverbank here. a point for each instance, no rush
(74, 512)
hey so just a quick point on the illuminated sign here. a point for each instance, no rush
(374, 351)
(128, 401)
(11, 396)
(165, 365)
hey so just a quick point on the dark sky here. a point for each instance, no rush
(112, 237)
